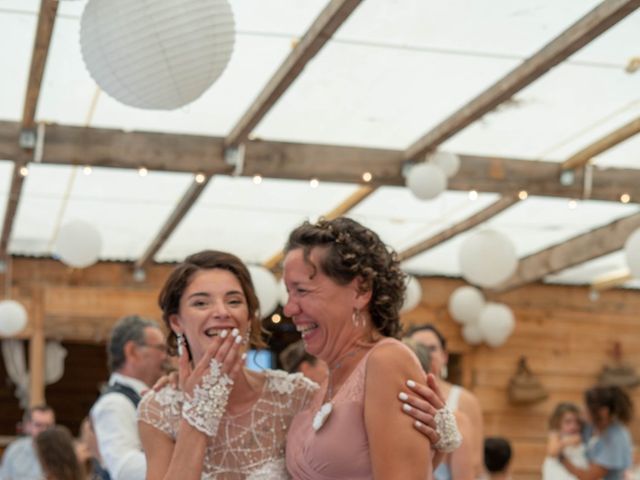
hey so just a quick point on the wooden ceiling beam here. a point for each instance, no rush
(468, 223)
(582, 248)
(347, 204)
(318, 34)
(597, 21)
(329, 20)
(44, 30)
(67, 145)
(614, 138)
(611, 279)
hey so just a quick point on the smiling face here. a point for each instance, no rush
(569, 424)
(320, 308)
(212, 301)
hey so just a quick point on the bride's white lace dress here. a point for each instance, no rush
(248, 446)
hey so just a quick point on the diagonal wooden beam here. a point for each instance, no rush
(44, 30)
(575, 251)
(97, 147)
(347, 204)
(468, 223)
(329, 20)
(318, 34)
(614, 138)
(601, 18)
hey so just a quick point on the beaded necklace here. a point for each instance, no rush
(321, 416)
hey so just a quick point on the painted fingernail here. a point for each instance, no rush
(243, 356)
(411, 383)
(224, 333)
(403, 396)
(406, 407)
(238, 339)
(417, 424)
(234, 332)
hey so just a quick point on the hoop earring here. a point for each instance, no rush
(356, 318)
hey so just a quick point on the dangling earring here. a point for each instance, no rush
(180, 341)
(356, 318)
(247, 335)
(444, 372)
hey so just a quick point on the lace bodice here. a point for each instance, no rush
(248, 446)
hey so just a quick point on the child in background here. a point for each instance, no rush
(565, 436)
(497, 458)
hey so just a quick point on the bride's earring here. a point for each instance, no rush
(180, 342)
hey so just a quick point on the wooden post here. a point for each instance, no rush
(37, 351)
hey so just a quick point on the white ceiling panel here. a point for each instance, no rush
(588, 272)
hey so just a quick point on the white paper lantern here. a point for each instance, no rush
(472, 334)
(632, 252)
(413, 294)
(160, 54)
(266, 287)
(496, 323)
(447, 161)
(487, 258)
(283, 295)
(13, 318)
(79, 244)
(465, 304)
(426, 181)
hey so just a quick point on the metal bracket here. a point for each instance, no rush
(28, 138)
(234, 156)
(567, 178)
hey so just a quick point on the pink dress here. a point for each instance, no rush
(340, 449)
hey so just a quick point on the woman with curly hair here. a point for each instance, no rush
(345, 292)
(57, 454)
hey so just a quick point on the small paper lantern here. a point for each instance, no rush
(465, 304)
(426, 181)
(266, 288)
(160, 54)
(283, 295)
(13, 318)
(496, 323)
(79, 244)
(632, 253)
(447, 161)
(487, 258)
(472, 334)
(413, 294)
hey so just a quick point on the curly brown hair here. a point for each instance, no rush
(352, 250)
(57, 455)
(559, 412)
(615, 399)
(176, 284)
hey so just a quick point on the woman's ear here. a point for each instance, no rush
(364, 292)
(174, 322)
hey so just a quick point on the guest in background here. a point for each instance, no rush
(88, 452)
(458, 398)
(294, 359)
(57, 455)
(497, 458)
(565, 436)
(20, 461)
(609, 445)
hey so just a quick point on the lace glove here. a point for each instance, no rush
(447, 429)
(204, 408)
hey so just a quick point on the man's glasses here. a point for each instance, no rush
(160, 347)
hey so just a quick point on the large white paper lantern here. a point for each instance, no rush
(496, 323)
(413, 294)
(471, 334)
(487, 258)
(447, 161)
(465, 304)
(13, 318)
(632, 252)
(266, 287)
(156, 54)
(426, 181)
(79, 244)
(283, 295)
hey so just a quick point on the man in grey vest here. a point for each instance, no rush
(137, 356)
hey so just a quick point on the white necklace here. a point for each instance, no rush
(321, 416)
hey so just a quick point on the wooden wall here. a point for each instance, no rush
(566, 339)
(564, 335)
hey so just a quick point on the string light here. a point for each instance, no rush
(625, 198)
(314, 182)
(473, 195)
(366, 176)
(573, 204)
(276, 318)
(87, 170)
(200, 178)
(24, 171)
(522, 195)
(257, 179)
(142, 171)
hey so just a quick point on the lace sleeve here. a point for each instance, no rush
(162, 410)
(298, 389)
